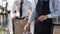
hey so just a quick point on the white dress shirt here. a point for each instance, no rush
(12, 6)
(11, 15)
(16, 7)
(26, 6)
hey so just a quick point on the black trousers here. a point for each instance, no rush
(43, 27)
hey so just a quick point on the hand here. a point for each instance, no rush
(42, 18)
(25, 19)
(13, 19)
(27, 26)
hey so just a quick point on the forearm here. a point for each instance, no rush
(54, 14)
(32, 16)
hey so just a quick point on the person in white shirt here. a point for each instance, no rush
(11, 8)
(27, 9)
(1, 2)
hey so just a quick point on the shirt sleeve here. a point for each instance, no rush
(32, 16)
(54, 15)
(54, 8)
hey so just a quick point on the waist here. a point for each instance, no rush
(41, 15)
(46, 19)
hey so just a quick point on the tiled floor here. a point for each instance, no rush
(56, 30)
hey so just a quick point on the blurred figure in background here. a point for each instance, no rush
(16, 8)
(1, 6)
(10, 15)
(13, 10)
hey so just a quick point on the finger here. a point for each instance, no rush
(26, 29)
(41, 19)
(25, 20)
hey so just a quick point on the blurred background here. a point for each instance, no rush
(18, 25)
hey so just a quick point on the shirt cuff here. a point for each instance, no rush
(30, 20)
(49, 16)
(52, 15)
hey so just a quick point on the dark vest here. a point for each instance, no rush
(42, 7)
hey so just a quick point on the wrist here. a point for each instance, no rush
(28, 24)
(45, 17)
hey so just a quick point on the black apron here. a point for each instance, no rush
(42, 8)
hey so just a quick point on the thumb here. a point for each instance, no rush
(26, 28)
